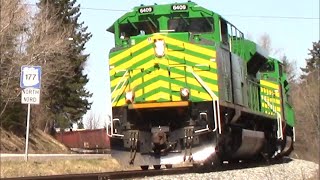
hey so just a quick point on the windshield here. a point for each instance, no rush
(191, 24)
(138, 28)
(267, 67)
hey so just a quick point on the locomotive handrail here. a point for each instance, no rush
(123, 81)
(107, 128)
(215, 99)
(111, 128)
(279, 119)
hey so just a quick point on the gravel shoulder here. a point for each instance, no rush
(294, 169)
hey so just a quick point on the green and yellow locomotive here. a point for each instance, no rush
(188, 87)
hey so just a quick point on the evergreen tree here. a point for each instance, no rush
(288, 68)
(313, 63)
(68, 100)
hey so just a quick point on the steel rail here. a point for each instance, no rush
(150, 173)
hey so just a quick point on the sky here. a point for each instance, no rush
(291, 36)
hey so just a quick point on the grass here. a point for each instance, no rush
(56, 167)
(41, 143)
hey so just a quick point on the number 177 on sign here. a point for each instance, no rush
(30, 77)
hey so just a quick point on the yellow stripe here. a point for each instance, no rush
(159, 95)
(147, 65)
(270, 92)
(149, 76)
(137, 81)
(176, 98)
(121, 102)
(175, 87)
(264, 105)
(146, 42)
(189, 46)
(159, 105)
(155, 85)
(119, 91)
(176, 75)
(269, 84)
(273, 100)
(129, 51)
(138, 93)
(208, 74)
(177, 68)
(193, 59)
(194, 82)
(115, 81)
(132, 61)
(201, 95)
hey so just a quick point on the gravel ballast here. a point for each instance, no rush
(293, 169)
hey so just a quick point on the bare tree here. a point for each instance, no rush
(25, 40)
(92, 121)
(13, 19)
(290, 66)
(307, 105)
(47, 46)
(265, 42)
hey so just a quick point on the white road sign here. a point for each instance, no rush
(30, 96)
(30, 77)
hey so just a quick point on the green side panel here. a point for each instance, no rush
(289, 115)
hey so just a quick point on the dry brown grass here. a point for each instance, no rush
(39, 142)
(56, 167)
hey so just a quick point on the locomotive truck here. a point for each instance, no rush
(187, 86)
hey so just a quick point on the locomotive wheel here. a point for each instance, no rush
(196, 165)
(168, 166)
(157, 166)
(144, 168)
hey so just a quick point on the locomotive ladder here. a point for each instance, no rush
(121, 83)
(215, 103)
(279, 119)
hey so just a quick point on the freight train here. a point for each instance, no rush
(186, 86)
(85, 140)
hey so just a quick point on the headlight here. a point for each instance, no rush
(129, 97)
(185, 93)
(159, 47)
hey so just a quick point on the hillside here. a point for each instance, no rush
(39, 142)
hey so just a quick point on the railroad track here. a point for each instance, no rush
(152, 172)
(109, 175)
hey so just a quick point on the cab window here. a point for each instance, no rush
(138, 28)
(267, 67)
(200, 25)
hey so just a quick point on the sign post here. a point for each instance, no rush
(30, 82)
